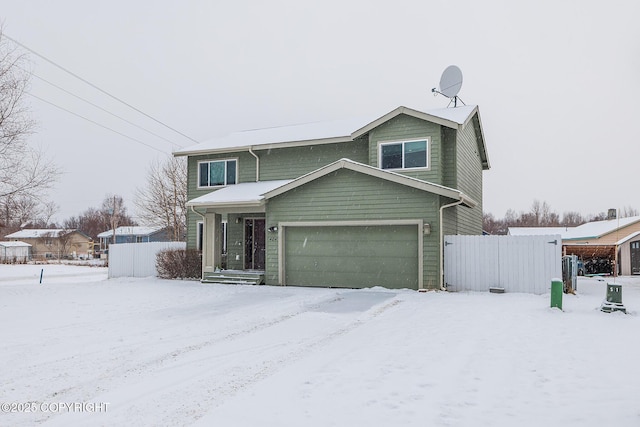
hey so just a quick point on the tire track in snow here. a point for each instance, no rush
(214, 376)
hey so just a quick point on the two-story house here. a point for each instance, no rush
(55, 243)
(353, 203)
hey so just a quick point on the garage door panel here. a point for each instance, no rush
(352, 257)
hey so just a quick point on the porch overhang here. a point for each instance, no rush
(248, 196)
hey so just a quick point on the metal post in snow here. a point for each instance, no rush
(41, 273)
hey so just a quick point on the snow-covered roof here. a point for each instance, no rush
(14, 244)
(36, 233)
(130, 230)
(590, 230)
(327, 131)
(598, 229)
(245, 193)
(538, 231)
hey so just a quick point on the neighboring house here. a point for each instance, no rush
(55, 243)
(133, 234)
(12, 252)
(602, 245)
(354, 203)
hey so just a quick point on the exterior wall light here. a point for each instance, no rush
(426, 229)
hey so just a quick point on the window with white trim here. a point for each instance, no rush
(412, 154)
(216, 173)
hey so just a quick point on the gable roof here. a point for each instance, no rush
(378, 173)
(36, 233)
(336, 131)
(130, 230)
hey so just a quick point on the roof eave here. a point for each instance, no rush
(403, 110)
(244, 204)
(266, 146)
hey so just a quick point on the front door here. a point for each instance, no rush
(635, 257)
(254, 243)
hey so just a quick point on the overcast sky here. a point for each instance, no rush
(557, 83)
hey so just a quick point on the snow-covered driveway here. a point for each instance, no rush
(150, 352)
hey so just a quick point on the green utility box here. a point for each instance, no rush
(614, 293)
(556, 293)
(613, 301)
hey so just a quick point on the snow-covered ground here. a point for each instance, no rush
(151, 352)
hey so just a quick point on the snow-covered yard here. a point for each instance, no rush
(150, 352)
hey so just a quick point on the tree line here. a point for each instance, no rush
(541, 215)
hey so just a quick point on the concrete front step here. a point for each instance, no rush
(235, 277)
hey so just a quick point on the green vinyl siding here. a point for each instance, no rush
(403, 128)
(466, 164)
(346, 195)
(293, 162)
(352, 256)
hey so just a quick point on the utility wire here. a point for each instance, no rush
(103, 109)
(98, 124)
(96, 87)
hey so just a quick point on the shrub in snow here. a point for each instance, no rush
(179, 264)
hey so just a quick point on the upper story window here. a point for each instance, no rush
(404, 154)
(217, 172)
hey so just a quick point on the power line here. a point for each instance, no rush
(97, 124)
(96, 87)
(103, 109)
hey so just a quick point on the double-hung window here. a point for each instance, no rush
(215, 173)
(405, 154)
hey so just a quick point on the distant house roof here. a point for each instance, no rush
(131, 231)
(36, 233)
(538, 231)
(333, 131)
(14, 244)
(590, 230)
(597, 229)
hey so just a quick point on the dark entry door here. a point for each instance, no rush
(254, 243)
(635, 257)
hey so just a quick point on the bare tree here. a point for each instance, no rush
(113, 208)
(628, 211)
(94, 221)
(162, 201)
(24, 172)
(572, 219)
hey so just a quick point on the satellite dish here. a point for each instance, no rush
(451, 81)
(450, 84)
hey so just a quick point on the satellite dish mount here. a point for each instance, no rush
(450, 84)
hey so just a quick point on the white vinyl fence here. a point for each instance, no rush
(137, 259)
(513, 263)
